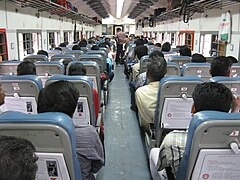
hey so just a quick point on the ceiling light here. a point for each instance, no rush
(119, 8)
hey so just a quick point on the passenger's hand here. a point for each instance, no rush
(236, 103)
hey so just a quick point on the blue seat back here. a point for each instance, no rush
(35, 58)
(52, 134)
(233, 83)
(174, 102)
(235, 70)
(209, 138)
(21, 93)
(9, 67)
(180, 60)
(197, 69)
(95, 58)
(76, 53)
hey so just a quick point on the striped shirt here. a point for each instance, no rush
(172, 150)
(89, 150)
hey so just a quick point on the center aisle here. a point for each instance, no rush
(126, 157)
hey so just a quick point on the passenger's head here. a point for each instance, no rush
(220, 66)
(156, 53)
(139, 42)
(77, 69)
(166, 47)
(58, 48)
(141, 51)
(232, 59)
(64, 44)
(95, 47)
(76, 47)
(42, 52)
(60, 96)
(198, 58)
(83, 43)
(26, 68)
(119, 29)
(185, 51)
(17, 159)
(158, 45)
(212, 96)
(157, 68)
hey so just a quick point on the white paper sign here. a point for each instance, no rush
(51, 166)
(176, 113)
(26, 105)
(225, 27)
(217, 164)
(82, 114)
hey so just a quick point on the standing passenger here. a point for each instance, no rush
(120, 39)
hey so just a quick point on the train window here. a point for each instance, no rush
(3, 46)
(53, 40)
(66, 37)
(29, 43)
(218, 48)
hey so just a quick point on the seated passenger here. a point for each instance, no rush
(139, 51)
(62, 96)
(185, 51)
(220, 66)
(141, 79)
(17, 159)
(76, 47)
(146, 96)
(107, 75)
(79, 69)
(232, 59)
(198, 58)
(166, 47)
(42, 52)
(26, 68)
(206, 96)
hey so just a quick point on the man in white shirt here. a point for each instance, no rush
(146, 96)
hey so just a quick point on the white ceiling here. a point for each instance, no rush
(110, 6)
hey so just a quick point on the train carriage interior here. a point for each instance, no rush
(147, 89)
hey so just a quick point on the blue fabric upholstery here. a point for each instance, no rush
(196, 121)
(192, 64)
(33, 78)
(53, 118)
(224, 78)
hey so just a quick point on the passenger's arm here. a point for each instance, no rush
(98, 161)
(236, 103)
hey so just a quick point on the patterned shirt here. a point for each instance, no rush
(172, 150)
(89, 150)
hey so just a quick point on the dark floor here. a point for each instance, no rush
(126, 157)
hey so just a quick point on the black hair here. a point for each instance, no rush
(58, 48)
(185, 51)
(17, 159)
(76, 47)
(139, 42)
(198, 58)
(220, 66)
(64, 44)
(166, 47)
(43, 52)
(95, 47)
(157, 68)
(26, 68)
(60, 96)
(156, 53)
(232, 59)
(83, 43)
(141, 51)
(77, 68)
(157, 45)
(212, 96)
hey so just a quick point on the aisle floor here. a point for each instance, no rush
(126, 157)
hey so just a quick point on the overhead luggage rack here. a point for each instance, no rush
(198, 6)
(55, 9)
